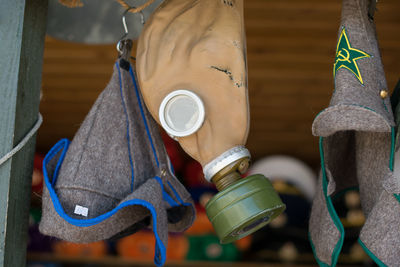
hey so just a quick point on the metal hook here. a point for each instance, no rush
(142, 20)
(119, 44)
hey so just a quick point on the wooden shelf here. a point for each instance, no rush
(117, 261)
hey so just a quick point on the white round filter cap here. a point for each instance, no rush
(181, 113)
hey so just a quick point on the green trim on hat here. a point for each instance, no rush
(331, 209)
(394, 99)
(371, 255)
(328, 199)
(336, 196)
(391, 163)
(320, 263)
(332, 213)
(384, 105)
(354, 105)
(392, 148)
(397, 196)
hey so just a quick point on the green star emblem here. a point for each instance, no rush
(346, 56)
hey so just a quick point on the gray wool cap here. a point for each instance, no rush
(357, 146)
(115, 177)
(359, 77)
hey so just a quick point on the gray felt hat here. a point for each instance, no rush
(357, 146)
(115, 177)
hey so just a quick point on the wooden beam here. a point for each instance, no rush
(113, 261)
(22, 31)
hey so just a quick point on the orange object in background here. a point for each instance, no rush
(95, 249)
(244, 243)
(140, 246)
(178, 247)
(201, 225)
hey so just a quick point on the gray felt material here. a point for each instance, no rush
(354, 105)
(339, 165)
(380, 235)
(356, 146)
(323, 232)
(96, 172)
(381, 231)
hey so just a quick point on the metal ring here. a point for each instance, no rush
(223, 160)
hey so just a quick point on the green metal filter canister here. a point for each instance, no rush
(243, 207)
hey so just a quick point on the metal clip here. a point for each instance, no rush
(122, 41)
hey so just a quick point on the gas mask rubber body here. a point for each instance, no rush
(191, 64)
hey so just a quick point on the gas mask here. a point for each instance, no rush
(191, 64)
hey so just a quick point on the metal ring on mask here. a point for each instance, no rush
(223, 160)
(181, 113)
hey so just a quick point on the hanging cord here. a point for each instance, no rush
(78, 3)
(134, 9)
(23, 141)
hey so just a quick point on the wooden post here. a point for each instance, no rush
(22, 30)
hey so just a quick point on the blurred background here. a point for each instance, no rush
(291, 47)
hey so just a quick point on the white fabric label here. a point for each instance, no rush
(81, 210)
